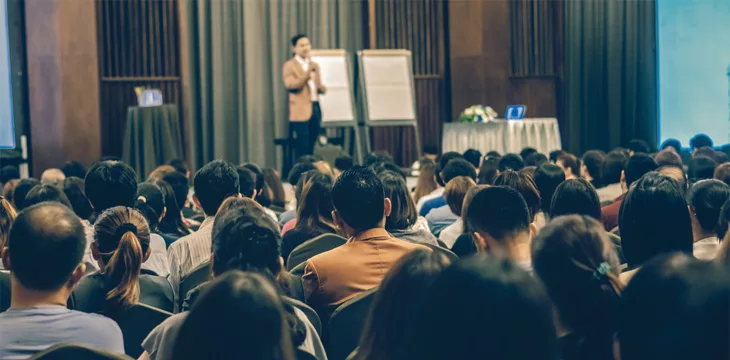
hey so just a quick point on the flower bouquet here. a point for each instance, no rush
(477, 113)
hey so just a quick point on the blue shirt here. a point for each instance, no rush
(432, 204)
(26, 331)
(440, 218)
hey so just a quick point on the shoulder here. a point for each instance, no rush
(96, 325)
(289, 63)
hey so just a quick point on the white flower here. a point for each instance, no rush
(469, 112)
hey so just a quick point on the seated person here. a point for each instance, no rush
(361, 208)
(570, 165)
(121, 244)
(455, 193)
(441, 216)
(44, 251)
(402, 222)
(439, 191)
(637, 166)
(613, 165)
(705, 199)
(525, 185)
(314, 215)
(590, 167)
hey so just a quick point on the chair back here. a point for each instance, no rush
(308, 311)
(346, 325)
(4, 291)
(444, 251)
(136, 323)
(310, 248)
(198, 276)
(76, 352)
(298, 270)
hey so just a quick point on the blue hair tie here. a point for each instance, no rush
(602, 271)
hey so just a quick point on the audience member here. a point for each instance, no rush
(701, 168)
(668, 158)
(73, 188)
(161, 171)
(74, 169)
(708, 152)
(426, 183)
(637, 166)
(342, 163)
(577, 263)
(500, 220)
(151, 203)
(473, 156)
(52, 177)
(180, 166)
(213, 183)
(676, 307)
(293, 178)
(705, 199)
(261, 197)
(7, 217)
(536, 159)
(591, 165)
(673, 145)
(699, 141)
(488, 171)
(553, 156)
(613, 166)
(393, 310)
(527, 151)
(547, 178)
(44, 251)
(379, 156)
(638, 146)
(361, 208)
(8, 189)
(483, 308)
(455, 193)
(575, 197)
(42, 193)
(524, 184)
(464, 244)
(247, 182)
(21, 191)
(403, 222)
(299, 196)
(121, 244)
(172, 226)
(314, 215)
(492, 153)
(437, 211)
(654, 219)
(9, 172)
(677, 174)
(275, 186)
(383, 167)
(439, 191)
(510, 162)
(570, 165)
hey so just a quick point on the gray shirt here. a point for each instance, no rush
(26, 331)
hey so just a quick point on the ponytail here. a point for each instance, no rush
(123, 269)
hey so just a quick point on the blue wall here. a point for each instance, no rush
(7, 136)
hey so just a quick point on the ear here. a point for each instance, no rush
(336, 219)
(196, 201)
(281, 263)
(533, 230)
(5, 254)
(77, 275)
(623, 176)
(95, 253)
(254, 195)
(387, 207)
(480, 242)
(164, 212)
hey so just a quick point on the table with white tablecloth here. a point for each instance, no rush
(503, 136)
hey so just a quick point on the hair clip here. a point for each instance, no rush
(602, 271)
(142, 199)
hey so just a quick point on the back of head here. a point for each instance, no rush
(122, 239)
(109, 184)
(161, 171)
(389, 167)
(553, 156)
(613, 164)
(494, 309)
(455, 193)
(668, 158)
(456, 168)
(525, 152)
(593, 162)
(42, 193)
(707, 151)
(343, 162)
(73, 187)
(52, 177)
(246, 181)
(722, 173)
(499, 211)
(151, 203)
(426, 180)
(674, 144)
(172, 222)
(489, 170)
(575, 196)
(7, 216)
(676, 307)
(213, 183)
(403, 212)
(74, 168)
(248, 307)
(180, 186)
(21, 191)
(260, 181)
(654, 219)
(447, 157)
(510, 162)
(639, 146)
(377, 157)
(296, 172)
(9, 172)
(473, 156)
(8, 189)
(535, 159)
(46, 243)
(358, 197)
(700, 141)
(314, 213)
(303, 179)
(578, 264)
(676, 173)
(705, 199)
(180, 166)
(569, 162)
(525, 185)
(638, 165)
(701, 167)
(273, 182)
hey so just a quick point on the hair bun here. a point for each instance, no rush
(125, 228)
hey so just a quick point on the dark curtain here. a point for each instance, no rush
(609, 76)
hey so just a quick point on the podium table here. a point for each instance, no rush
(503, 136)
(152, 137)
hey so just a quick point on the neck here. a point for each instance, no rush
(517, 247)
(22, 297)
(699, 234)
(355, 233)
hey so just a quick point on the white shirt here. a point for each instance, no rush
(434, 194)
(610, 192)
(189, 252)
(157, 261)
(305, 65)
(449, 234)
(706, 248)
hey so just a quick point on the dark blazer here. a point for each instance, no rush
(4, 291)
(309, 249)
(90, 295)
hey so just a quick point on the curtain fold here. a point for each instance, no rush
(609, 76)
(232, 53)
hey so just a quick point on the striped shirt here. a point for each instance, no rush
(188, 253)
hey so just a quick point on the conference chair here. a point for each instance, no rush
(310, 248)
(444, 251)
(76, 352)
(198, 276)
(298, 270)
(308, 311)
(4, 291)
(136, 323)
(346, 324)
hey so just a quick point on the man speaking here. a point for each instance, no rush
(302, 79)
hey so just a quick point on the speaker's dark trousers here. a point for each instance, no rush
(305, 133)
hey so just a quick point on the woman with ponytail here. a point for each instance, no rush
(576, 261)
(121, 245)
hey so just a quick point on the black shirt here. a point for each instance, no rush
(90, 295)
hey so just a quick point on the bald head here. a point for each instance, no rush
(52, 177)
(45, 244)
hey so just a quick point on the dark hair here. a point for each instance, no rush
(358, 197)
(535, 159)
(570, 162)
(488, 171)
(74, 168)
(172, 223)
(303, 181)
(527, 151)
(529, 170)
(593, 160)
(456, 168)
(638, 165)
(447, 157)
(456, 191)
(473, 156)
(377, 157)
(273, 183)
(42, 193)
(213, 183)
(295, 39)
(250, 310)
(511, 161)
(553, 156)
(46, 244)
(179, 185)
(403, 214)
(673, 143)
(9, 172)
(700, 141)
(246, 181)
(297, 171)
(579, 267)
(260, 181)
(676, 173)
(707, 151)
(676, 307)
(701, 167)
(524, 184)
(668, 158)
(706, 198)
(150, 203)
(723, 222)
(722, 173)
(343, 162)
(499, 211)
(123, 239)
(22, 189)
(73, 187)
(393, 310)
(492, 153)
(109, 184)
(180, 165)
(575, 196)
(495, 309)
(639, 146)
(654, 219)
(382, 167)
(7, 216)
(314, 212)
(613, 164)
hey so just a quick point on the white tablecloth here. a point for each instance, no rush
(504, 136)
